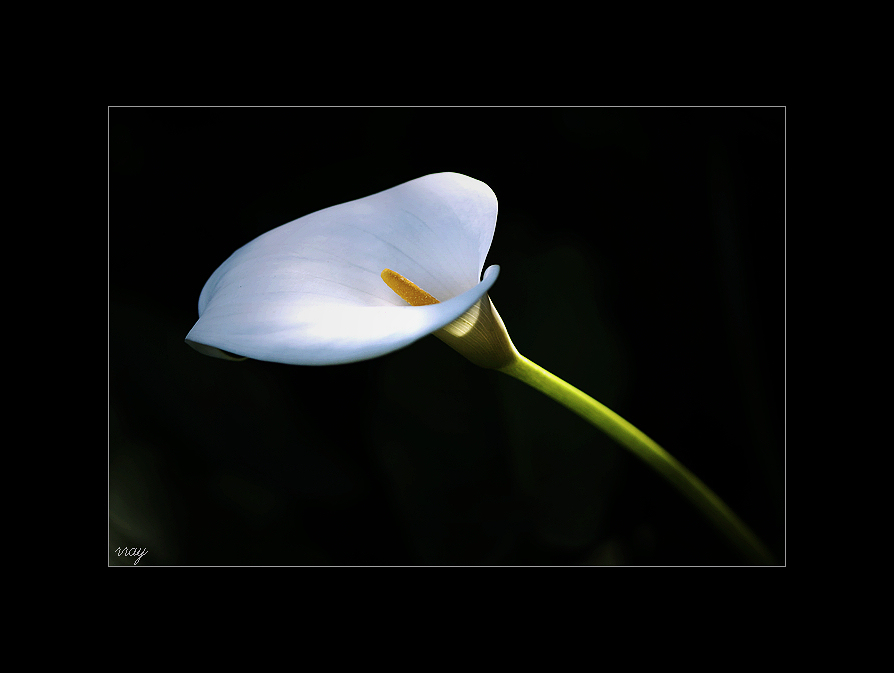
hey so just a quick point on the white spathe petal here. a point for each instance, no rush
(310, 291)
(281, 330)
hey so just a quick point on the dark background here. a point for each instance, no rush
(642, 256)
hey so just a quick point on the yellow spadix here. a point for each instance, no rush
(407, 290)
(479, 334)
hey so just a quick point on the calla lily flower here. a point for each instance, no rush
(317, 291)
(367, 277)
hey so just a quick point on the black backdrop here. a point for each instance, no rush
(642, 256)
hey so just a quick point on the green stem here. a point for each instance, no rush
(646, 449)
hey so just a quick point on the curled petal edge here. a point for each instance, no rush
(323, 334)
